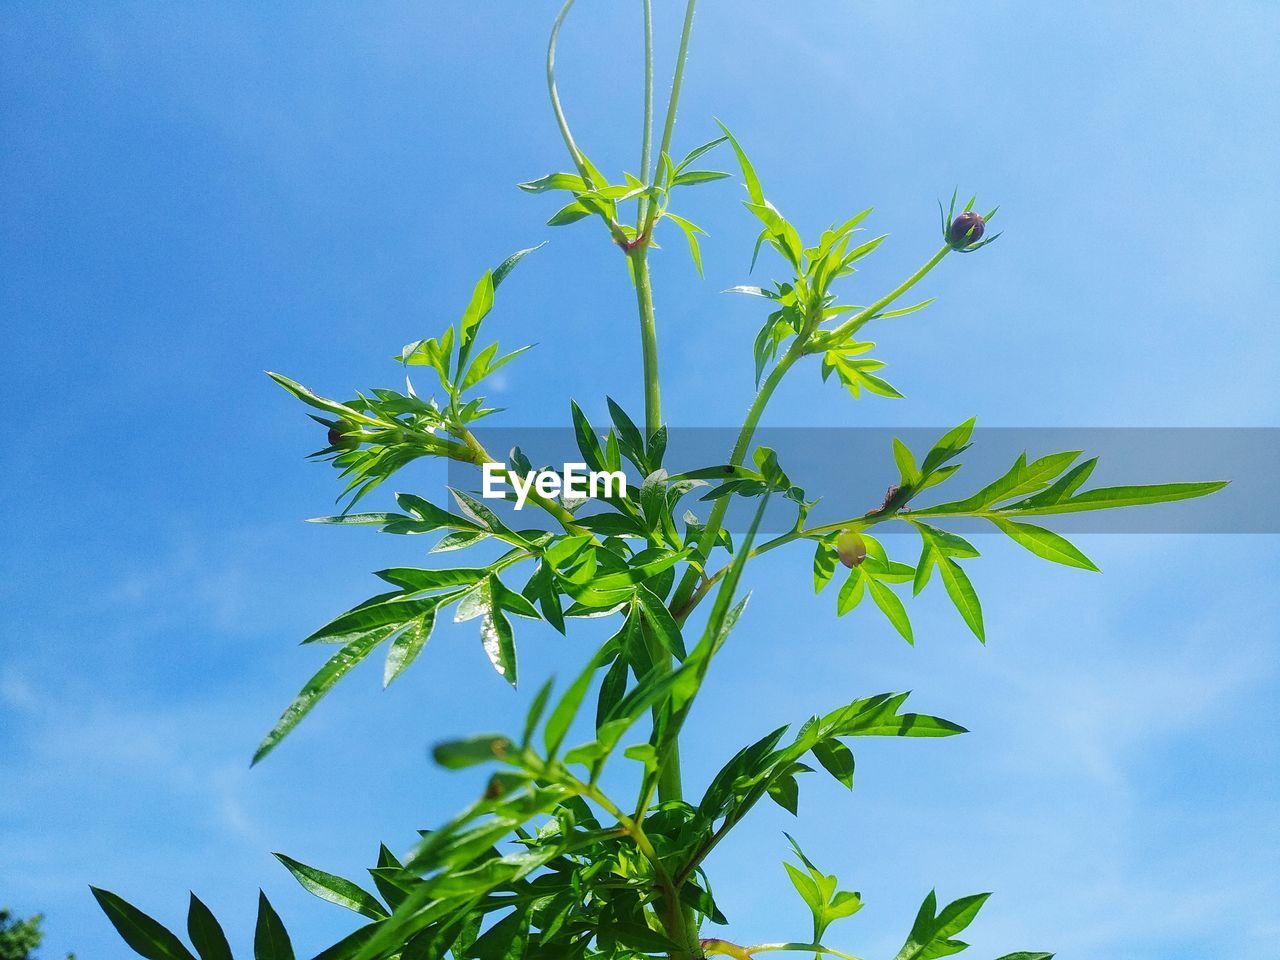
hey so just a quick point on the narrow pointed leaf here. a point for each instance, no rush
(206, 933)
(334, 670)
(333, 888)
(962, 595)
(406, 646)
(892, 608)
(270, 939)
(1045, 543)
(146, 936)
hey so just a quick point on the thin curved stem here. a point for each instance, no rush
(866, 313)
(677, 79)
(646, 142)
(561, 121)
(677, 82)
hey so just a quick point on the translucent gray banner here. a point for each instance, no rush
(850, 470)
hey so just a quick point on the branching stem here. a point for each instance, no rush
(690, 592)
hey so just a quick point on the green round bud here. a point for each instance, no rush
(851, 548)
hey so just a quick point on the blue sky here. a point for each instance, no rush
(193, 193)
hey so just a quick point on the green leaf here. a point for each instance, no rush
(457, 754)
(507, 599)
(851, 593)
(1107, 498)
(505, 940)
(908, 472)
(628, 433)
(785, 792)
(569, 213)
(892, 608)
(406, 646)
(459, 541)
(333, 888)
(698, 151)
(1044, 543)
(824, 564)
(348, 947)
(479, 307)
(145, 936)
(536, 709)
(855, 372)
(691, 231)
(697, 176)
(484, 517)
(335, 668)
(386, 611)
(930, 936)
(1062, 488)
(954, 442)
(555, 181)
(588, 442)
(836, 759)
(562, 716)
(499, 644)
(205, 932)
(1026, 955)
(542, 588)
(659, 620)
(748, 172)
(962, 595)
(1021, 478)
(391, 892)
(506, 266)
(903, 311)
(433, 517)
(270, 939)
(312, 399)
(807, 887)
(419, 580)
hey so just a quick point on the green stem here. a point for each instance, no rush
(689, 592)
(866, 313)
(677, 81)
(646, 143)
(648, 342)
(674, 921)
(475, 453)
(680, 602)
(561, 121)
(681, 922)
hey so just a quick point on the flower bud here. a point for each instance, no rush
(966, 229)
(344, 435)
(851, 548)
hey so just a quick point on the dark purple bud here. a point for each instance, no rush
(966, 229)
(343, 434)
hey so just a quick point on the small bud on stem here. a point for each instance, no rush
(851, 548)
(344, 435)
(966, 229)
